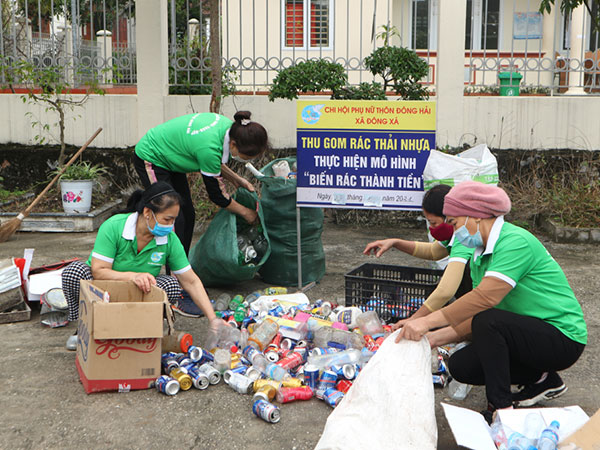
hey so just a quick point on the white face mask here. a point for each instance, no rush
(238, 158)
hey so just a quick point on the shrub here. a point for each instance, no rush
(311, 76)
(364, 91)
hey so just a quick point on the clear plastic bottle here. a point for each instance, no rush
(458, 390)
(276, 372)
(257, 359)
(369, 323)
(533, 426)
(252, 297)
(516, 441)
(498, 433)
(351, 356)
(549, 438)
(222, 360)
(263, 334)
(246, 252)
(222, 302)
(334, 337)
(228, 337)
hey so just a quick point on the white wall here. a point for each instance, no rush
(501, 122)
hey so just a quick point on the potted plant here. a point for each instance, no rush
(76, 185)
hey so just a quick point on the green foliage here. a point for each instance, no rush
(364, 91)
(387, 33)
(400, 68)
(311, 76)
(567, 6)
(81, 170)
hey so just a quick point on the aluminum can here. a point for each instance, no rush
(236, 360)
(199, 380)
(184, 379)
(301, 350)
(272, 353)
(440, 380)
(253, 373)
(292, 360)
(291, 383)
(169, 362)
(167, 385)
(286, 344)
(370, 343)
(311, 376)
(327, 380)
(277, 311)
(322, 351)
(266, 392)
(291, 394)
(266, 411)
(214, 376)
(347, 371)
(238, 382)
(204, 356)
(183, 360)
(263, 382)
(343, 386)
(333, 397)
(240, 368)
(231, 321)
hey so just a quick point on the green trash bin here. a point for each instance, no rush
(509, 83)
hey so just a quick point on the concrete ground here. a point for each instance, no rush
(43, 405)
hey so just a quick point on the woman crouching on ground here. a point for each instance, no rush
(522, 317)
(134, 246)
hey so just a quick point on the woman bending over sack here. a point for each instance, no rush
(134, 246)
(522, 317)
(456, 279)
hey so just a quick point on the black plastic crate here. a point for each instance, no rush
(395, 292)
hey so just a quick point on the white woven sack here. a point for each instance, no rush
(477, 163)
(390, 405)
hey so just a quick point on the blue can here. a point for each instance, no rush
(169, 361)
(333, 397)
(311, 376)
(167, 385)
(241, 369)
(327, 380)
(266, 411)
(322, 351)
(277, 311)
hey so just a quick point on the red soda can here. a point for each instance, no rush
(272, 352)
(370, 343)
(379, 341)
(292, 360)
(283, 353)
(277, 340)
(231, 321)
(287, 395)
(343, 386)
(387, 329)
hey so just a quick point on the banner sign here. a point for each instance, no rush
(363, 154)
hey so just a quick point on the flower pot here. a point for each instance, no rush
(76, 195)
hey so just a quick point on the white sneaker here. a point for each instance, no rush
(72, 343)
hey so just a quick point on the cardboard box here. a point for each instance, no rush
(472, 431)
(119, 342)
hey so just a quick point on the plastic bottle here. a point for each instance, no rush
(261, 246)
(235, 302)
(264, 334)
(549, 438)
(252, 297)
(228, 337)
(369, 323)
(333, 337)
(458, 390)
(348, 316)
(516, 441)
(178, 343)
(257, 359)
(351, 356)
(276, 372)
(498, 433)
(222, 360)
(222, 302)
(533, 426)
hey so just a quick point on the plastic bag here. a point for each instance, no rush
(390, 405)
(477, 164)
(278, 197)
(214, 258)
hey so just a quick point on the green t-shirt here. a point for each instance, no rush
(540, 287)
(190, 143)
(116, 243)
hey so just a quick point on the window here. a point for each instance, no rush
(483, 25)
(307, 21)
(423, 34)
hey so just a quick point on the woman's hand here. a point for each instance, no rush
(246, 184)
(249, 215)
(144, 281)
(378, 248)
(400, 324)
(413, 330)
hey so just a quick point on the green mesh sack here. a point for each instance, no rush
(278, 200)
(214, 258)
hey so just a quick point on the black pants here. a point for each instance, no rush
(508, 348)
(184, 224)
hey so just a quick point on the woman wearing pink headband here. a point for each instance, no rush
(522, 317)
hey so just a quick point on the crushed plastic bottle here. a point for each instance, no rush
(351, 356)
(549, 438)
(458, 390)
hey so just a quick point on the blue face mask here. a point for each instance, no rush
(158, 229)
(467, 239)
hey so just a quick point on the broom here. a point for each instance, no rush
(7, 229)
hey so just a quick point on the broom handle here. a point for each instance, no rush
(47, 188)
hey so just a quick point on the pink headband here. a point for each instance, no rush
(475, 199)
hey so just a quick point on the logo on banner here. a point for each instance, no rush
(312, 113)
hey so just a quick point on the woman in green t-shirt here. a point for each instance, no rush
(522, 317)
(203, 142)
(134, 246)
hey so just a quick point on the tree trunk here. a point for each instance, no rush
(215, 56)
(61, 126)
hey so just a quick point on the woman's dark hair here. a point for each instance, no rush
(250, 137)
(158, 197)
(433, 200)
